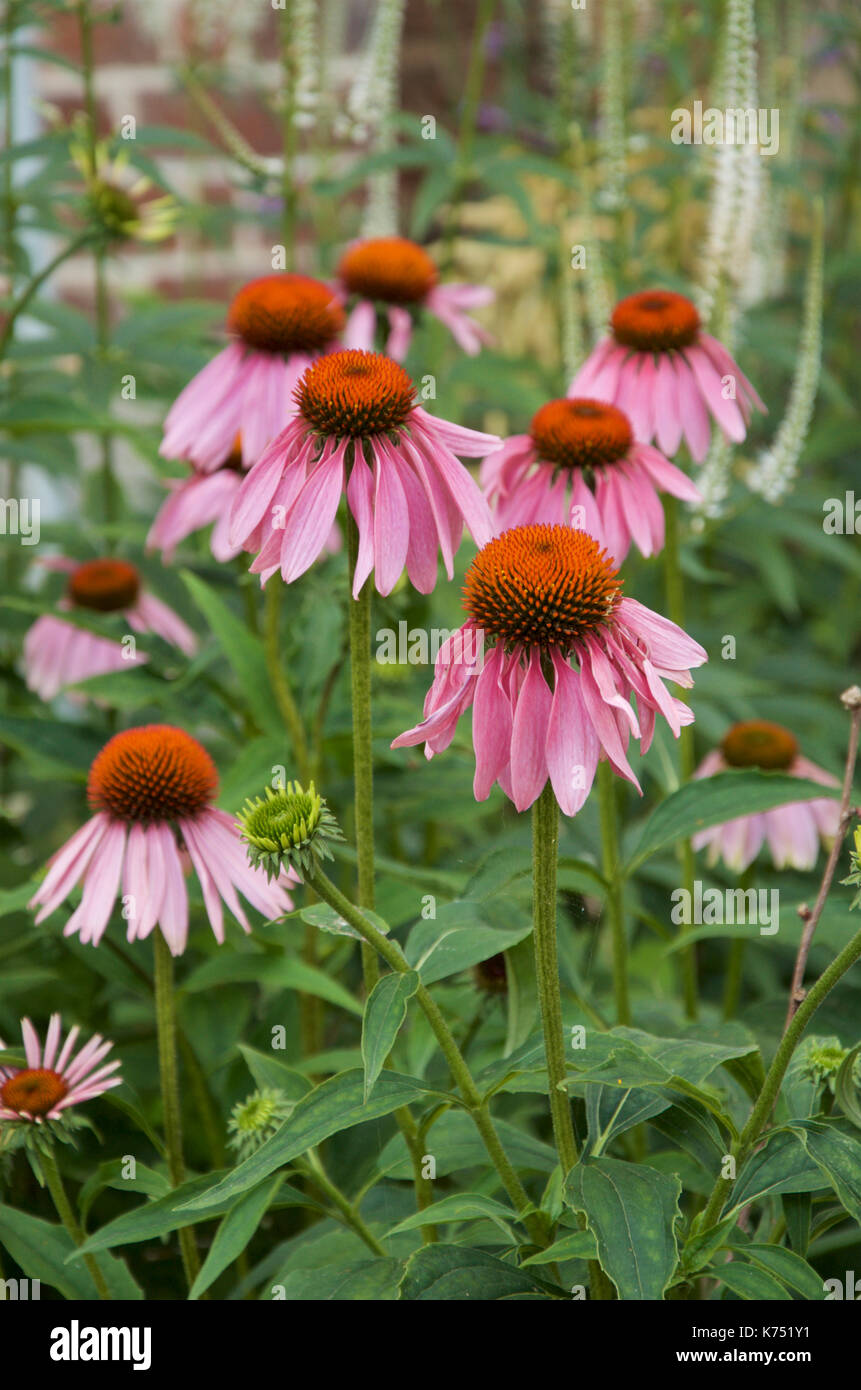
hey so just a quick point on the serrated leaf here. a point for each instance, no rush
(633, 1212)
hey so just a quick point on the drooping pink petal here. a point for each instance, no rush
(529, 735)
(571, 746)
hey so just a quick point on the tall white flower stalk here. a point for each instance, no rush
(736, 179)
(370, 106)
(612, 107)
(776, 468)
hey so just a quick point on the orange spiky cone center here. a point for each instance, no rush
(286, 313)
(655, 321)
(33, 1091)
(104, 585)
(391, 269)
(355, 393)
(580, 433)
(154, 773)
(759, 743)
(541, 586)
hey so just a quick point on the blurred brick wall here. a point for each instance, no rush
(136, 57)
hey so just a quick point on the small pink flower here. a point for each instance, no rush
(544, 596)
(358, 428)
(50, 1083)
(792, 832)
(196, 502)
(57, 654)
(152, 789)
(580, 463)
(667, 374)
(400, 277)
(280, 324)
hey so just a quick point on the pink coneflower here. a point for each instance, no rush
(57, 654)
(358, 422)
(580, 462)
(280, 324)
(152, 789)
(668, 374)
(196, 502)
(399, 276)
(544, 595)
(52, 1082)
(792, 832)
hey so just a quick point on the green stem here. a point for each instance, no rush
(676, 613)
(614, 901)
(545, 854)
(422, 1186)
(165, 1019)
(70, 249)
(363, 759)
(774, 1077)
(278, 678)
(54, 1183)
(391, 953)
(735, 962)
(343, 1204)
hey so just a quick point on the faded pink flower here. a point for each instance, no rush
(580, 463)
(667, 374)
(53, 1081)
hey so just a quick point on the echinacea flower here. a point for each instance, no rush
(400, 277)
(358, 428)
(580, 463)
(792, 832)
(198, 501)
(541, 597)
(57, 654)
(119, 202)
(152, 789)
(53, 1080)
(667, 374)
(279, 325)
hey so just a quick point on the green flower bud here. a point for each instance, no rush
(288, 827)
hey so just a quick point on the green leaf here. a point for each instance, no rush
(42, 1250)
(449, 1272)
(327, 919)
(838, 1157)
(748, 1281)
(369, 1281)
(632, 1211)
(234, 1233)
(577, 1245)
(455, 1144)
(334, 1105)
(243, 650)
(456, 939)
(269, 1071)
(459, 1206)
(785, 1265)
(846, 1089)
(781, 1165)
(713, 800)
(271, 972)
(385, 1013)
(160, 1217)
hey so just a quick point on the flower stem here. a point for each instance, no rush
(545, 853)
(392, 954)
(776, 1072)
(278, 678)
(9, 321)
(54, 1183)
(734, 972)
(614, 900)
(363, 762)
(676, 613)
(165, 1018)
(468, 120)
(851, 700)
(347, 1209)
